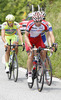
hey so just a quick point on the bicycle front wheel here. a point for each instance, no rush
(15, 67)
(10, 71)
(40, 77)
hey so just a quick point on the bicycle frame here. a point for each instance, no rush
(12, 62)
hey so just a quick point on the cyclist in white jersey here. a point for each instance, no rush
(8, 31)
(33, 36)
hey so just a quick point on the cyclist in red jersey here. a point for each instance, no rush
(33, 36)
(51, 39)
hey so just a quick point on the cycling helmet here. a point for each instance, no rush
(43, 14)
(10, 17)
(37, 16)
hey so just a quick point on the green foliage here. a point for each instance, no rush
(22, 56)
(17, 8)
(53, 12)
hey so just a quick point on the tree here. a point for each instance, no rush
(17, 8)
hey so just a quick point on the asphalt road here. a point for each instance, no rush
(10, 90)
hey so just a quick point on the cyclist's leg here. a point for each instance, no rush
(7, 54)
(43, 53)
(46, 44)
(41, 44)
(15, 41)
(29, 63)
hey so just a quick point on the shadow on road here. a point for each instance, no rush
(55, 86)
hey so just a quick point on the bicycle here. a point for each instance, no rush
(13, 63)
(41, 70)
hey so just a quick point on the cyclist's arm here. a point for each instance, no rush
(3, 35)
(52, 36)
(51, 33)
(49, 39)
(20, 35)
(26, 38)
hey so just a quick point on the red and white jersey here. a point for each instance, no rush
(47, 24)
(34, 30)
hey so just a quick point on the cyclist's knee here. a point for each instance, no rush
(30, 57)
(16, 50)
(8, 49)
(43, 53)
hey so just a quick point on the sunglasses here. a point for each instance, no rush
(38, 21)
(10, 22)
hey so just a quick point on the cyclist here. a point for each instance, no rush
(33, 36)
(9, 29)
(51, 39)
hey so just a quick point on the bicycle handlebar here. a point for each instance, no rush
(39, 49)
(46, 49)
(13, 47)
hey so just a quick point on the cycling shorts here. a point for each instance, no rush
(13, 38)
(37, 41)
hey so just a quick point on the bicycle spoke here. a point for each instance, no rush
(10, 71)
(40, 78)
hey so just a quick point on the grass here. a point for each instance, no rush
(54, 17)
(22, 56)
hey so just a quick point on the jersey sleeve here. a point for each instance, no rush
(46, 27)
(29, 25)
(3, 25)
(50, 26)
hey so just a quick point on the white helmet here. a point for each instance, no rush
(43, 14)
(10, 17)
(37, 16)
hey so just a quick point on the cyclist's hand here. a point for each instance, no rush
(23, 46)
(5, 44)
(15, 43)
(7, 47)
(51, 49)
(30, 48)
(55, 45)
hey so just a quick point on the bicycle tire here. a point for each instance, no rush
(50, 72)
(15, 68)
(40, 77)
(10, 72)
(33, 77)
